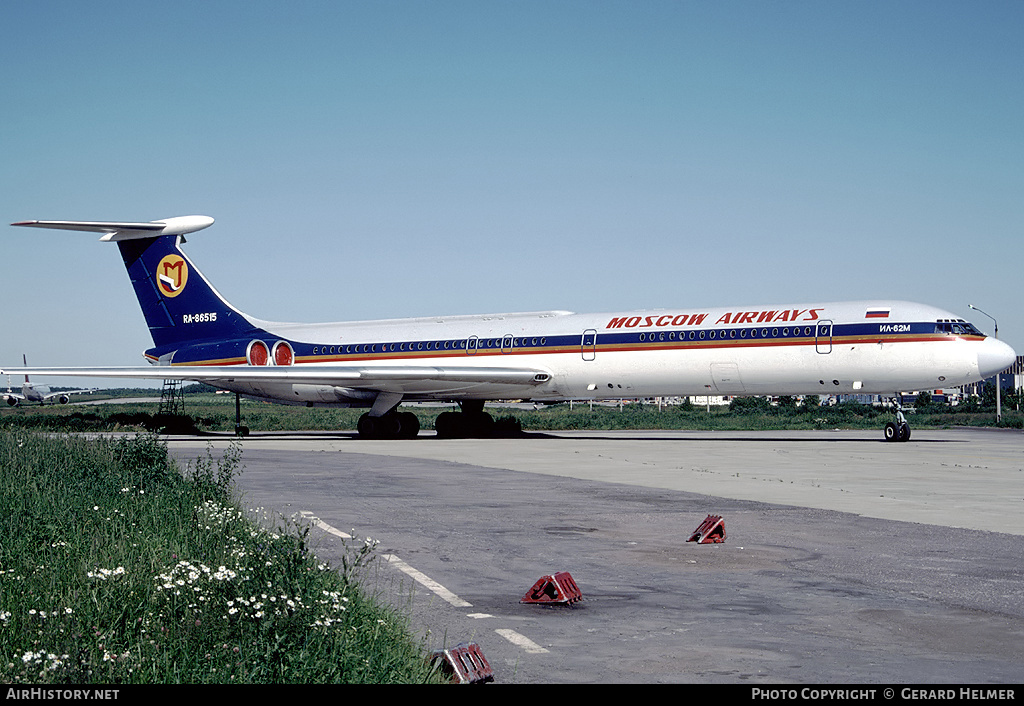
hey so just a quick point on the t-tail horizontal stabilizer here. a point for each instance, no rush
(117, 231)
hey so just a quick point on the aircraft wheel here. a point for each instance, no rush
(447, 425)
(410, 425)
(892, 432)
(904, 432)
(389, 426)
(367, 427)
(481, 425)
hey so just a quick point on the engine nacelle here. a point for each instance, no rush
(252, 351)
(64, 399)
(13, 401)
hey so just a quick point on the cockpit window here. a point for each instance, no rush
(957, 327)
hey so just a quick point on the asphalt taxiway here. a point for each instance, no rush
(847, 559)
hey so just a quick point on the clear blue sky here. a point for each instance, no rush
(384, 159)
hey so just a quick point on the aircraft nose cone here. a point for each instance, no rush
(994, 357)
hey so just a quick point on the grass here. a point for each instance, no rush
(209, 412)
(117, 567)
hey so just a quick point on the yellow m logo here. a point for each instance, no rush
(171, 275)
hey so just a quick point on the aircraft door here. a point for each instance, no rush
(727, 380)
(588, 344)
(823, 336)
(472, 345)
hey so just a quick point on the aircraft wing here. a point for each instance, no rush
(51, 395)
(12, 396)
(406, 379)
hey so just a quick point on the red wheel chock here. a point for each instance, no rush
(711, 531)
(464, 664)
(559, 588)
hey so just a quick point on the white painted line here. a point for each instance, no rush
(317, 522)
(521, 641)
(398, 563)
(427, 581)
(511, 635)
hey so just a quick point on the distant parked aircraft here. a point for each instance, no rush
(31, 392)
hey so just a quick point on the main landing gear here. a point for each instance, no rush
(391, 425)
(384, 421)
(898, 430)
(471, 423)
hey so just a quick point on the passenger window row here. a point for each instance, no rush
(732, 333)
(448, 345)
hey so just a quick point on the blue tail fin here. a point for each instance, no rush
(181, 308)
(180, 305)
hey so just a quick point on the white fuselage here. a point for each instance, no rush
(829, 348)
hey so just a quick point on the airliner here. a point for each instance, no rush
(830, 348)
(33, 392)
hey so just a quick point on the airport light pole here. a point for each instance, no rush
(999, 409)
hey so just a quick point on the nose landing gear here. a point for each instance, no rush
(898, 430)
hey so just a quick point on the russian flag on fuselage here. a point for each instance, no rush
(876, 314)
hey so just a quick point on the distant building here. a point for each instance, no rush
(708, 400)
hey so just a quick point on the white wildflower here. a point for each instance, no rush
(104, 574)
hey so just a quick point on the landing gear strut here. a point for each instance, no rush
(240, 429)
(898, 430)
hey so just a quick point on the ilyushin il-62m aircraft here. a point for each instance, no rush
(867, 347)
